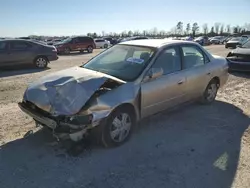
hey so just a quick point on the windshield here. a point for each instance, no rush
(199, 38)
(125, 62)
(235, 39)
(246, 44)
(67, 40)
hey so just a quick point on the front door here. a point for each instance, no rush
(169, 89)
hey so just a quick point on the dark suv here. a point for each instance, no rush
(80, 43)
(18, 52)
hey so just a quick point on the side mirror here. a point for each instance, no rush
(154, 73)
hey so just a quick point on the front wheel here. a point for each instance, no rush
(210, 93)
(117, 129)
(105, 46)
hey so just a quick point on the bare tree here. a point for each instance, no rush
(195, 28)
(145, 32)
(103, 33)
(124, 34)
(221, 29)
(228, 28)
(136, 33)
(162, 33)
(188, 28)
(155, 31)
(247, 26)
(130, 33)
(179, 27)
(217, 27)
(205, 28)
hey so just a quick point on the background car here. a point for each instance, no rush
(203, 40)
(111, 40)
(101, 43)
(15, 52)
(217, 40)
(239, 59)
(80, 43)
(55, 41)
(134, 38)
(233, 42)
(122, 85)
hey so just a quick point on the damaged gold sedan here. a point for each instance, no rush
(113, 91)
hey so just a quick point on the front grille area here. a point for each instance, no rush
(236, 66)
(37, 109)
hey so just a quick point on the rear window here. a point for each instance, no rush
(3, 45)
(85, 39)
(19, 45)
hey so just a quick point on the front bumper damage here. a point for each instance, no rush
(61, 129)
(238, 62)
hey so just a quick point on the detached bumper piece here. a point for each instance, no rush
(61, 130)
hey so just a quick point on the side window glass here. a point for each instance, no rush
(76, 40)
(192, 57)
(169, 60)
(19, 45)
(3, 46)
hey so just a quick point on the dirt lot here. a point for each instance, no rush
(195, 146)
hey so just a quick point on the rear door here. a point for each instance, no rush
(4, 54)
(20, 52)
(197, 70)
(84, 42)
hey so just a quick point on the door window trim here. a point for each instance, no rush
(205, 57)
(24, 42)
(177, 48)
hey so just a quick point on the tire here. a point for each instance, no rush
(105, 46)
(90, 49)
(67, 51)
(41, 62)
(115, 132)
(210, 93)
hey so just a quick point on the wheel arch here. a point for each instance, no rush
(131, 109)
(217, 80)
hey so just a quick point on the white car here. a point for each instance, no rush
(101, 43)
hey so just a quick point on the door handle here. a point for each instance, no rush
(180, 82)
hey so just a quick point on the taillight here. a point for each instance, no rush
(54, 49)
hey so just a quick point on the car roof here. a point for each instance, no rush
(16, 40)
(156, 43)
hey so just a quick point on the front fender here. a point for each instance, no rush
(101, 107)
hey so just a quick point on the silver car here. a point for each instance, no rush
(107, 96)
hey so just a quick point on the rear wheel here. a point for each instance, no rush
(90, 49)
(41, 62)
(210, 93)
(67, 51)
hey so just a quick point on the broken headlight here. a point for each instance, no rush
(79, 119)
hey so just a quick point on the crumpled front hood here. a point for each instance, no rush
(65, 92)
(241, 51)
(233, 42)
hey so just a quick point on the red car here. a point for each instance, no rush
(80, 43)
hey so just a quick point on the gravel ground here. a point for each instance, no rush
(193, 146)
